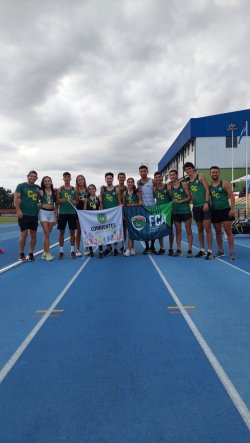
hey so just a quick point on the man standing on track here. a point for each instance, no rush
(26, 204)
(222, 211)
(146, 186)
(162, 196)
(110, 197)
(121, 189)
(199, 189)
(66, 197)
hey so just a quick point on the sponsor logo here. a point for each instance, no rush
(138, 222)
(102, 218)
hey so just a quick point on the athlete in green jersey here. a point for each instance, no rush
(110, 197)
(162, 196)
(26, 203)
(199, 189)
(121, 189)
(131, 197)
(181, 211)
(222, 212)
(66, 197)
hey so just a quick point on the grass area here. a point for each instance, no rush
(4, 220)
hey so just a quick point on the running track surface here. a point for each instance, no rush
(138, 349)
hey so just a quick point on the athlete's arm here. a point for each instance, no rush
(206, 186)
(231, 197)
(17, 196)
(85, 204)
(140, 197)
(100, 200)
(118, 196)
(58, 199)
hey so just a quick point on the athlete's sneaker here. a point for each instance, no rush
(122, 250)
(177, 253)
(100, 254)
(44, 256)
(127, 253)
(219, 254)
(161, 251)
(73, 254)
(146, 251)
(132, 251)
(200, 254)
(78, 254)
(189, 253)
(91, 253)
(61, 255)
(153, 250)
(30, 256)
(49, 257)
(209, 256)
(232, 256)
(170, 252)
(107, 252)
(22, 256)
(86, 251)
(115, 252)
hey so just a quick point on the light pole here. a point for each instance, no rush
(232, 127)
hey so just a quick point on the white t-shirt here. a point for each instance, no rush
(147, 192)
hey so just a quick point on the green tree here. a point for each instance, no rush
(6, 198)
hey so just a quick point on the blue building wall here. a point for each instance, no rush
(210, 126)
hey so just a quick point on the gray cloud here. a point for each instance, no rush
(98, 85)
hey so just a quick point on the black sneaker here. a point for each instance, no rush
(177, 253)
(73, 254)
(122, 250)
(30, 256)
(209, 256)
(161, 251)
(100, 255)
(219, 254)
(115, 252)
(91, 253)
(146, 251)
(153, 250)
(200, 254)
(170, 252)
(189, 253)
(61, 255)
(22, 256)
(107, 251)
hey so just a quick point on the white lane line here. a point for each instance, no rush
(17, 354)
(225, 262)
(228, 385)
(18, 263)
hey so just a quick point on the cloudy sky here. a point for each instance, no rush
(96, 85)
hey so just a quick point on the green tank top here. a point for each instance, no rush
(110, 199)
(48, 199)
(162, 196)
(180, 194)
(66, 207)
(28, 198)
(131, 199)
(219, 197)
(198, 192)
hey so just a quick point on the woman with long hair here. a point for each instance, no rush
(47, 214)
(131, 197)
(81, 192)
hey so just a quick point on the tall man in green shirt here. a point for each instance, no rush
(110, 197)
(199, 189)
(26, 203)
(222, 211)
(66, 197)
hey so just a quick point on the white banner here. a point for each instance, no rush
(101, 227)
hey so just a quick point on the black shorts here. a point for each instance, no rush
(221, 215)
(200, 215)
(181, 217)
(28, 222)
(63, 219)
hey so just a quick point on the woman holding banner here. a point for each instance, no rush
(131, 197)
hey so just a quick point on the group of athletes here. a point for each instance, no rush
(212, 203)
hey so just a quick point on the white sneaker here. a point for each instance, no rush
(86, 251)
(44, 256)
(127, 253)
(49, 257)
(132, 251)
(78, 254)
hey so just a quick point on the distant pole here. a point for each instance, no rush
(246, 169)
(232, 127)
